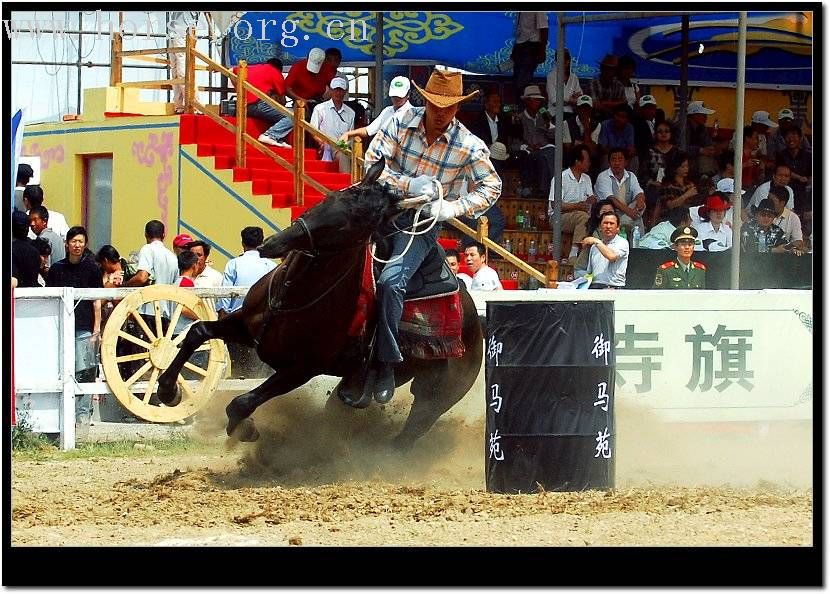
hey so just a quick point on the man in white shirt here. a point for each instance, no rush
(608, 259)
(32, 197)
(334, 118)
(572, 90)
(577, 196)
(780, 177)
(206, 275)
(622, 188)
(484, 277)
(786, 218)
(659, 236)
(156, 265)
(399, 94)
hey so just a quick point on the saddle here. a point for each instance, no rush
(432, 319)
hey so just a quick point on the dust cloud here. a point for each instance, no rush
(308, 439)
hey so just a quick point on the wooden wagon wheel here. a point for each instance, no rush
(153, 349)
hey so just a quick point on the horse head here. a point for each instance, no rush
(344, 220)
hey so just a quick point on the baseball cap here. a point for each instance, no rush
(683, 233)
(727, 186)
(762, 117)
(647, 100)
(697, 107)
(786, 114)
(765, 206)
(339, 83)
(399, 87)
(20, 218)
(585, 100)
(182, 240)
(316, 57)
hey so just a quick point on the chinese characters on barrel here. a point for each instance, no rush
(601, 349)
(495, 446)
(494, 348)
(603, 445)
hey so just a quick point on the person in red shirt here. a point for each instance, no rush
(266, 77)
(188, 265)
(308, 80)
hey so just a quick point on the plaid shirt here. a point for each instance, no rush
(455, 157)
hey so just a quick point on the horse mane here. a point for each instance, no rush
(366, 204)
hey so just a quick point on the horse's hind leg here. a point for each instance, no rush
(243, 406)
(432, 399)
(229, 329)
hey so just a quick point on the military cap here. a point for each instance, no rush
(683, 233)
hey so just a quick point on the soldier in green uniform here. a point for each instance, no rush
(682, 273)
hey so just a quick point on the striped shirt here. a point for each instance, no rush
(456, 156)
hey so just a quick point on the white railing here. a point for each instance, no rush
(50, 385)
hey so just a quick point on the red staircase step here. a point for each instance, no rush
(187, 129)
(241, 174)
(224, 162)
(204, 150)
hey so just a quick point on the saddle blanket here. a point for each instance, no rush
(430, 328)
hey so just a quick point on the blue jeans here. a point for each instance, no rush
(392, 287)
(281, 124)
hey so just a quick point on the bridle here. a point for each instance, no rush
(312, 252)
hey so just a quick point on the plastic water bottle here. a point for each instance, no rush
(762, 242)
(508, 245)
(635, 237)
(531, 251)
(527, 220)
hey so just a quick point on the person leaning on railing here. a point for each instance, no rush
(266, 77)
(307, 80)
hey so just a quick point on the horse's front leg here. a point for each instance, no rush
(229, 329)
(243, 406)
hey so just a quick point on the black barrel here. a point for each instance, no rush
(549, 396)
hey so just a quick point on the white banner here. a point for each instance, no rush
(707, 356)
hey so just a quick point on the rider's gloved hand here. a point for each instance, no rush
(443, 211)
(423, 185)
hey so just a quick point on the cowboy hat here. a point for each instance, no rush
(444, 89)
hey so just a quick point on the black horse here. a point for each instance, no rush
(298, 316)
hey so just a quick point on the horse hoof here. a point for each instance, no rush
(168, 396)
(354, 400)
(245, 431)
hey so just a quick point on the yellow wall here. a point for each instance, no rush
(153, 177)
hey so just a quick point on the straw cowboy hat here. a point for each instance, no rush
(444, 89)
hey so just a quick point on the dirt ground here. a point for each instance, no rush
(322, 475)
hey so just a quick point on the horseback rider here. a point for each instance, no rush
(423, 146)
